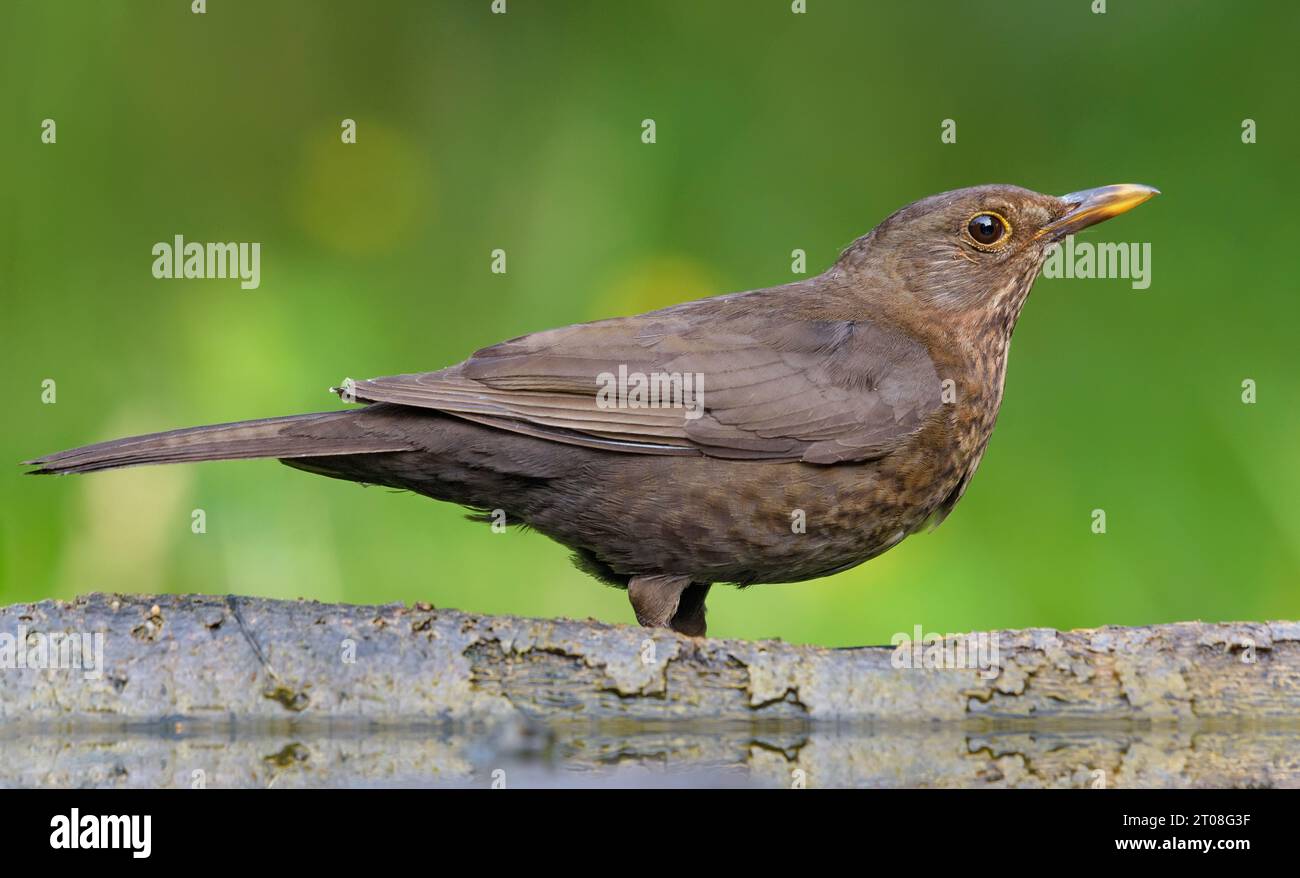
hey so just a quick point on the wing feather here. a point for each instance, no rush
(821, 391)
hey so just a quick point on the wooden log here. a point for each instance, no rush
(249, 691)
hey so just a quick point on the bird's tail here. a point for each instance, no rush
(356, 431)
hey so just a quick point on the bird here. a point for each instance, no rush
(777, 435)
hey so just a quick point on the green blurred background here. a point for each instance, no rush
(523, 131)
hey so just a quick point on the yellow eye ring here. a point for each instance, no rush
(988, 230)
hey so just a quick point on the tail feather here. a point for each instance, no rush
(354, 431)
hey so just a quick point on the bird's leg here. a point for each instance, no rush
(689, 618)
(669, 602)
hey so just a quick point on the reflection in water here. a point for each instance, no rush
(181, 754)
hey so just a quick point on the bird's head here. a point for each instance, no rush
(977, 251)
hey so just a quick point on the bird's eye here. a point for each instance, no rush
(987, 228)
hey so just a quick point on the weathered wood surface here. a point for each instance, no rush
(249, 691)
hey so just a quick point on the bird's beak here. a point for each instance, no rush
(1092, 206)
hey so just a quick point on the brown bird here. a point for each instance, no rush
(776, 435)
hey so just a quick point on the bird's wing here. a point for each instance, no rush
(821, 391)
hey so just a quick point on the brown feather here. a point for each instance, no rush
(311, 435)
(823, 391)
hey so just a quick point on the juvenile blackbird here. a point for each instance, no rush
(830, 417)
